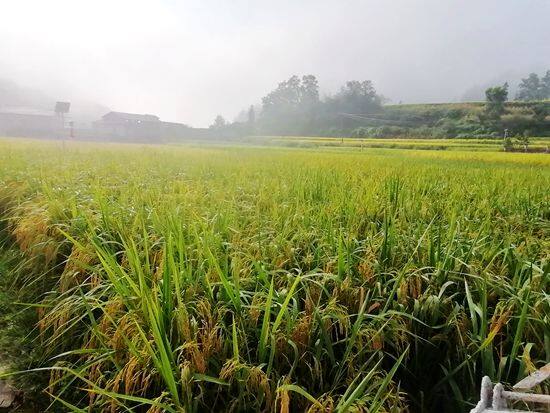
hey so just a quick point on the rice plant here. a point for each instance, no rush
(188, 279)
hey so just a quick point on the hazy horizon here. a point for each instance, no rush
(189, 62)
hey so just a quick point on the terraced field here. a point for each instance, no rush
(493, 145)
(220, 278)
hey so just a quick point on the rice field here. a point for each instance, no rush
(220, 278)
(540, 144)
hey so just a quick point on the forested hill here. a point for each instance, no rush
(448, 120)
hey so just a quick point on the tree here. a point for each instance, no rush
(287, 94)
(251, 121)
(292, 106)
(545, 85)
(523, 139)
(251, 115)
(507, 143)
(540, 111)
(495, 98)
(280, 106)
(219, 123)
(293, 93)
(357, 97)
(310, 90)
(530, 88)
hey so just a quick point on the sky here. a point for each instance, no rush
(189, 60)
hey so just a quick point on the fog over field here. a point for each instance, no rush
(188, 61)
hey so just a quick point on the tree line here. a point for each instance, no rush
(534, 87)
(295, 107)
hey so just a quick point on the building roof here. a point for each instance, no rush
(134, 117)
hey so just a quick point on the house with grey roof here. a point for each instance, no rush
(129, 127)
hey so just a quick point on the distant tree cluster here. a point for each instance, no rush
(496, 97)
(295, 107)
(518, 121)
(355, 97)
(219, 123)
(292, 107)
(534, 87)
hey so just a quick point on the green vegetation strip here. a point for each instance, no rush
(455, 144)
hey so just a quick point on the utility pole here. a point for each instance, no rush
(342, 127)
(71, 129)
(60, 109)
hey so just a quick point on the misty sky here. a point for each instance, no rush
(190, 60)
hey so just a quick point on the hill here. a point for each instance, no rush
(450, 120)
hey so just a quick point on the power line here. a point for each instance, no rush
(370, 118)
